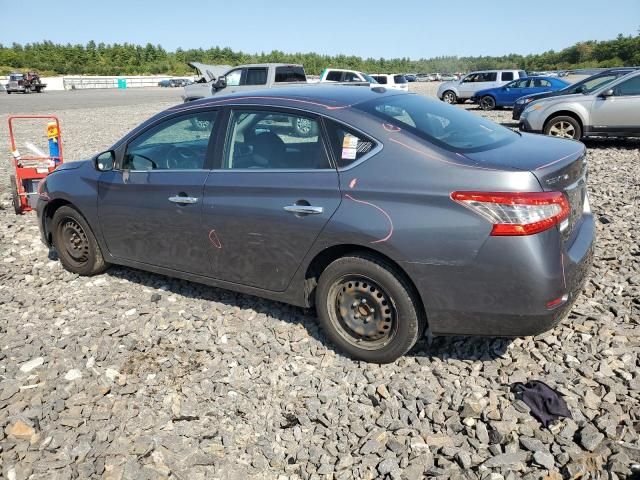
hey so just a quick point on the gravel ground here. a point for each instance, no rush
(138, 376)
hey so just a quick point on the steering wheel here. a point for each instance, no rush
(180, 157)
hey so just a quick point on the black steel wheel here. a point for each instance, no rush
(75, 243)
(368, 308)
(487, 102)
(363, 312)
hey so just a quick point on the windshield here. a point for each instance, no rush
(369, 78)
(588, 85)
(444, 125)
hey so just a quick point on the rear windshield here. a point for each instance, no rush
(445, 125)
(399, 79)
(290, 74)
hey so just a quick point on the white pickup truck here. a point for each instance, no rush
(215, 79)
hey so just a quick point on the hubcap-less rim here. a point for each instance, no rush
(363, 313)
(448, 97)
(562, 129)
(75, 241)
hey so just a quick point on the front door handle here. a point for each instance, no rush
(304, 209)
(185, 200)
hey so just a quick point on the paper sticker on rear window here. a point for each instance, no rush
(349, 153)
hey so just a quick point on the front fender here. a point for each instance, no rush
(580, 110)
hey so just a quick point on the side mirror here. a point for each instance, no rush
(105, 161)
(607, 93)
(220, 84)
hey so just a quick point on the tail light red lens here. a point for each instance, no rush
(517, 213)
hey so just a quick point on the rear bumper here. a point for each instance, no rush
(506, 290)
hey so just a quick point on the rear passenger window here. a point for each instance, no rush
(256, 76)
(334, 76)
(290, 74)
(381, 79)
(272, 140)
(507, 76)
(348, 146)
(490, 77)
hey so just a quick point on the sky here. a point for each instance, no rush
(373, 28)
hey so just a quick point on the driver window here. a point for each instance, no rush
(233, 78)
(179, 143)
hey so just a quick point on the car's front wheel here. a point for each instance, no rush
(487, 102)
(75, 243)
(563, 127)
(449, 97)
(368, 309)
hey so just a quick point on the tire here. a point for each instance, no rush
(449, 97)
(75, 243)
(364, 293)
(305, 127)
(15, 198)
(563, 127)
(8, 92)
(487, 103)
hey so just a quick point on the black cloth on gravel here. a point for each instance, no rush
(546, 404)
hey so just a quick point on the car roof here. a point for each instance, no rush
(313, 97)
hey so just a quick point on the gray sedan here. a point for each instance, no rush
(393, 213)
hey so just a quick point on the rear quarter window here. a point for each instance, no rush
(333, 76)
(381, 79)
(399, 79)
(347, 145)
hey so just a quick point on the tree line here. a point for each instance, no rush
(127, 59)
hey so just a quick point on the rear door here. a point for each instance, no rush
(150, 208)
(269, 198)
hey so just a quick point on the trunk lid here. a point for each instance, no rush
(558, 164)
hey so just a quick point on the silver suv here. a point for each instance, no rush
(612, 110)
(465, 88)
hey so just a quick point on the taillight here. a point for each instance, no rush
(517, 213)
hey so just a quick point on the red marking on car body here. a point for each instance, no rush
(215, 241)
(388, 236)
(390, 128)
(353, 182)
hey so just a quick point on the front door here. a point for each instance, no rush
(273, 194)
(619, 112)
(150, 209)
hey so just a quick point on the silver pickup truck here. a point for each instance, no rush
(216, 79)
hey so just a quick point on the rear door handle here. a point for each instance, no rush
(304, 209)
(185, 200)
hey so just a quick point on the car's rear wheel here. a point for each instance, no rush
(487, 102)
(368, 309)
(563, 127)
(449, 97)
(305, 127)
(76, 245)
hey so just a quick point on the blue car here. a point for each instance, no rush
(507, 95)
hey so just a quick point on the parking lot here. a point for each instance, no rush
(135, 375)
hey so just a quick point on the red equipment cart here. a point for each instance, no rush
(30, 170)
